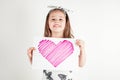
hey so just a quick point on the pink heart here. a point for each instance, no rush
(55, 53)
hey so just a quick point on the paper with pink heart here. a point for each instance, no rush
(55, 53)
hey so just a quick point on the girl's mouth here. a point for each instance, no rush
(56, 25)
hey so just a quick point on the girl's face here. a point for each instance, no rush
(57, 21)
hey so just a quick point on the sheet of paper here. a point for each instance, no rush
(55, 53)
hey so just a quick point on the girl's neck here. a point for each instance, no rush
(57, 35)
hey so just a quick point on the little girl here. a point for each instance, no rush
(58, 26)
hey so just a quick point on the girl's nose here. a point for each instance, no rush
(56, 20)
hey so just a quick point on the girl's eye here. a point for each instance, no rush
(60, 19)
(53, 19)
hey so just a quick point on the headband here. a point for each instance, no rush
(59, 7)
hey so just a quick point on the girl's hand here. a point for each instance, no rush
(82, 56)
(80, 43)
(30, 53)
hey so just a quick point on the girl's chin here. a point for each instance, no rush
(57, 31)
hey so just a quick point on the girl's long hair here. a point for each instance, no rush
(67, 31)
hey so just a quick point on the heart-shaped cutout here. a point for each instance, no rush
(55, 53)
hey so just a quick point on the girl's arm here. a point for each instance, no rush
(82, 56)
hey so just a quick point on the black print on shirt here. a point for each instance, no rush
(62, 76)
(48, 75)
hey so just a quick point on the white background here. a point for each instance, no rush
(97, 22)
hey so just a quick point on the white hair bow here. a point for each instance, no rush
(59, 7)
